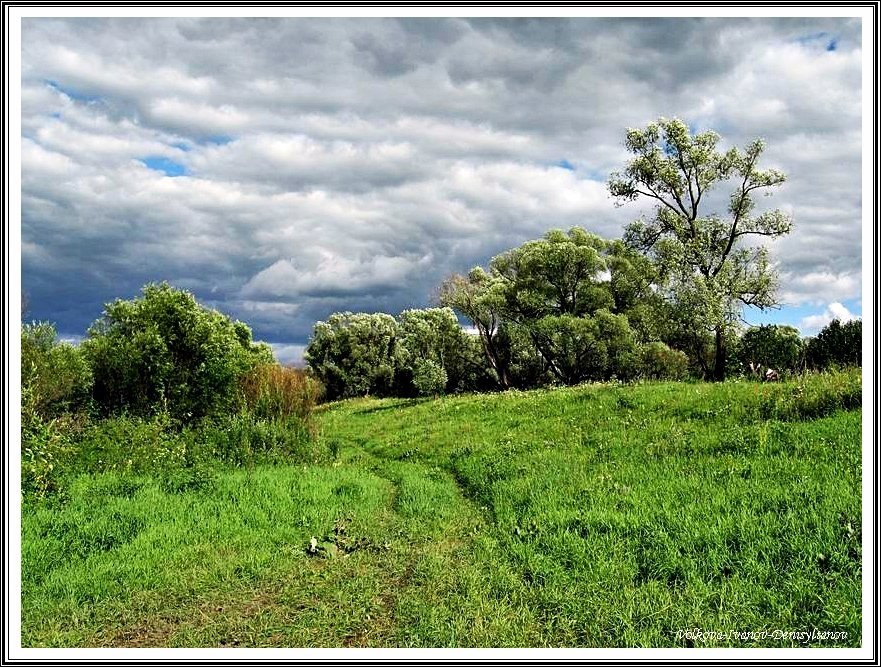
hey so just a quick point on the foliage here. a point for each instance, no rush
(432, 344)
(556, 275)
(660, 362)
(166, 352)
(429, 377)
(837, 344)
(55, 378)
(773, 346)
(586, 348)
(706, 269)
(480, 297)
(354, 354)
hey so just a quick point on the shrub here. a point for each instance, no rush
(428, 377)
(55, 377)
(45, 448)
(166, 352)
(660, 362)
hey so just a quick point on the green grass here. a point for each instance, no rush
(590, 516)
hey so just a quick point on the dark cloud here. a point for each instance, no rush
(302, 166)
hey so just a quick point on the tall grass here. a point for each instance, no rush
(278, 392)
(274, 425)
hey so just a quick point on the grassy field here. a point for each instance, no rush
(591, 516)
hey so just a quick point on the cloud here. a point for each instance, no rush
(818, 287)
(282, 169)
(834, 311)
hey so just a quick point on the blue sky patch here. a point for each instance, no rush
(565, 164)
(182, 145)
(793, 315)
(832, 45)
(216, 140)
(165, 165)
(76, 95)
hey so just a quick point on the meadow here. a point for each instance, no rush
(600, 515)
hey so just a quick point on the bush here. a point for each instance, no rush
(166, 352)
(45, 448)
(660, 362)
(428, 377)
(55, 377)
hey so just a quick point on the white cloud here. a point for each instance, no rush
(369, 158)
(834, 311)
(817, 287)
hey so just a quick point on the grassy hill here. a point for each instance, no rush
(588, 516)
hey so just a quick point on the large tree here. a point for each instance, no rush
(709, 270)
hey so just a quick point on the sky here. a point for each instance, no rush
(283, 169)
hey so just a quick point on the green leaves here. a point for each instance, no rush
(700, 254)
(166, 352)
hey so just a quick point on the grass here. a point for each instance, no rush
(588, 516)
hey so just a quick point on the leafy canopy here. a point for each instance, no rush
(166, 352)
(707, 267)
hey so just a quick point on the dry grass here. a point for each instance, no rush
(279, 392)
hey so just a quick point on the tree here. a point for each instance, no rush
(55, 377)
(836, 344)
(707, 268)
(479, 296)
(587, 348)
(774, 346)
(660, 362)
(556, 275)
(165, 351)
(431, 341)
(355, 354)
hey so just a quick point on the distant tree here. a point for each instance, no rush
(707, 270)
(559, 274)
(480, 297)
(587, 348)
(166, 352)
(660, 362)
(633, 283)
(434, 335)
(837, 344)
(355, 354)
(775, 346)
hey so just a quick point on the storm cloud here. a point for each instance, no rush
(286, 168)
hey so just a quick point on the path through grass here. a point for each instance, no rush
(592, 516)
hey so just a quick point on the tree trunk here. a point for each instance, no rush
(719, 361)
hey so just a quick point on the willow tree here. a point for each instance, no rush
(710, 269)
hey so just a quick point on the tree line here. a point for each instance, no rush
(664, 301)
